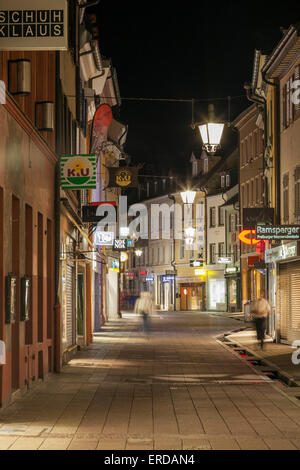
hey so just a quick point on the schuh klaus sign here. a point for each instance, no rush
(78, 171)
(33, 25)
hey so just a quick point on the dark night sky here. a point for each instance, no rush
(183, 50)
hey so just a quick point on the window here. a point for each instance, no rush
(212, 216)
(247, 195)
(182, 249)
(228, 181)
(297, 192)
(205, 165)
(221, 249)
(222, 181)
(221, 216)
(212, 251)
(256, 191)
(286, 198)
(232, 225)
(157, 255)
(252, 193)
(255, 149)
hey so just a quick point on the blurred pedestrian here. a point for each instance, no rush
(144, 306)
(261, 310)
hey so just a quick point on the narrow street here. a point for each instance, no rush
(178, 389)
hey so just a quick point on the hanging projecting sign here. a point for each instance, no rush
(120, 244)
(124, 177)
(33, 25)
(78, 171)
(101, 122)
(102, 238)
(248, 237)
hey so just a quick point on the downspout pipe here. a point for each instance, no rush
(170, 196)
(277, 141)
(260, 101)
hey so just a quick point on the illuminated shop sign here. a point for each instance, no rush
(200, 272)
(33, 25)
(104, 238)
(248, 237)
(278, 232)
(232, 270)
(289, 250)
(168, 278)
(196, 263)
(120, 244)
(225, 260)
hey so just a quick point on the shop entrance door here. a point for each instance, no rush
(185, 298)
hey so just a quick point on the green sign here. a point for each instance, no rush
(78, 171)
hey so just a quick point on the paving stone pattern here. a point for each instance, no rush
(177, 389)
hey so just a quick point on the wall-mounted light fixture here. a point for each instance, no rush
(44, 115)
(19, 77)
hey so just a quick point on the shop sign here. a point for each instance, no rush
(89, 213)
(78, 171)
(196, 263)
(120, 244)
(101, 122)
(130, 243)
(33, 25)
(143, 273)
(115, 266)
(278, 232)
(280, 253)
(123, 256)
(252, 260)
(123, 177)
(168, 278)
(200, 272)
(225, 260)
(149, 279)
(104, 238)
(232, 270)
(248, 237)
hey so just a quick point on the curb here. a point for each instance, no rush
(289, 380)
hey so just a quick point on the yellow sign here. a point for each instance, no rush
(123, 178)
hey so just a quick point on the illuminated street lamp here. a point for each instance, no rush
(211, 132)
(188, 197)
(138, 253)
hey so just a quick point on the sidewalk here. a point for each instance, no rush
(276, 355)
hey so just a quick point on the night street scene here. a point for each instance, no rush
(149, 229)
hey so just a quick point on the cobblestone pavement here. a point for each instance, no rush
(178, 389)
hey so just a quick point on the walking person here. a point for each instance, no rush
(261, 310)
(144, 306)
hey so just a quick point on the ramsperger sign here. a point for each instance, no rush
(277, 232)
